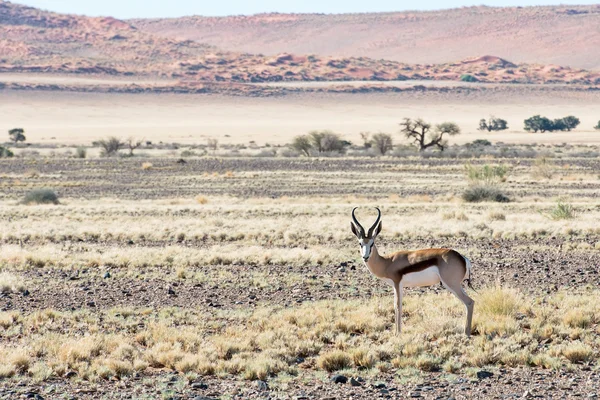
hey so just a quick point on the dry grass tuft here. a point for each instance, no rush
(201, 200)
(334, 361)
(147, 166)
(10, 283)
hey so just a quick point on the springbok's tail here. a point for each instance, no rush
(468, 280)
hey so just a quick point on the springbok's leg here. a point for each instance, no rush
(467, 301)
(398, 306)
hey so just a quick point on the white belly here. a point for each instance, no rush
(427, 277)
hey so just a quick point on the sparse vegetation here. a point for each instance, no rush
(543, 167)
(493, 124)
(212, 144)
(478, 193)
(40, 196)
(424, 136)
(597, 127)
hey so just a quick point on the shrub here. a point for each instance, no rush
(302, 144)
(80, 152)
(478, 143)
(477, 193)
(5, 153)
(493, 124)
(110, 146)
(40, 196)
(382, 142)
(213, 144)
(468, 78)
(597, 127)
(562, 211)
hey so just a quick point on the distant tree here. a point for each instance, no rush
(538, 123)
(570, 122)
(17, 135)
(597, 126)
(558, 125)
(326, 141)
(302, 144)
(366, 138)
(110, 146)
(133, 144)
(424, 136)
(382, 142)
(493, 124)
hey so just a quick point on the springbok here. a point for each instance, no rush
(424, 267)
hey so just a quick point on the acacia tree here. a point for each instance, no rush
(17, 135)
(424, 135)
(366, 138)
(133, 144)
(570, 122)
(302, 144)
(382, 142)
(597, 127)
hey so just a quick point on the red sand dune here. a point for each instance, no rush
(563, 35)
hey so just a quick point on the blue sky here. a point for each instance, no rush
(176, 8)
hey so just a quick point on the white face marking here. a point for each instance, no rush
(365, 248)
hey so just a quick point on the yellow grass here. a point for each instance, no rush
(330, 336)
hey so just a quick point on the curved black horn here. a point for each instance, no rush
(376, 222)
(356, 221)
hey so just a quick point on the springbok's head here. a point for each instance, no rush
(366, 238)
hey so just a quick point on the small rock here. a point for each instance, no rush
(339, 379)
(380, 385)
(354, 382)
(527, 395)
(91, 304)
(342, 269)
(203, 398)
(262, 386)
(199, 386)
(70, 374)
(25, 292)
(106, 275)
(484, 374)
(171, 292)
(181, 161)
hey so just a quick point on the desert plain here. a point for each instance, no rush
(216, 261)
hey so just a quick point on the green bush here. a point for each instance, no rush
(80, 152)
(468, 78)
(597, 127)
(5, 153)
(40, 196)
(477, 193)
(562, 211)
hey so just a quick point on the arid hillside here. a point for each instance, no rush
(37, 41)
(562, 35)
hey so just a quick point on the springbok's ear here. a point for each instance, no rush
(354, 230)
(377, 230)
